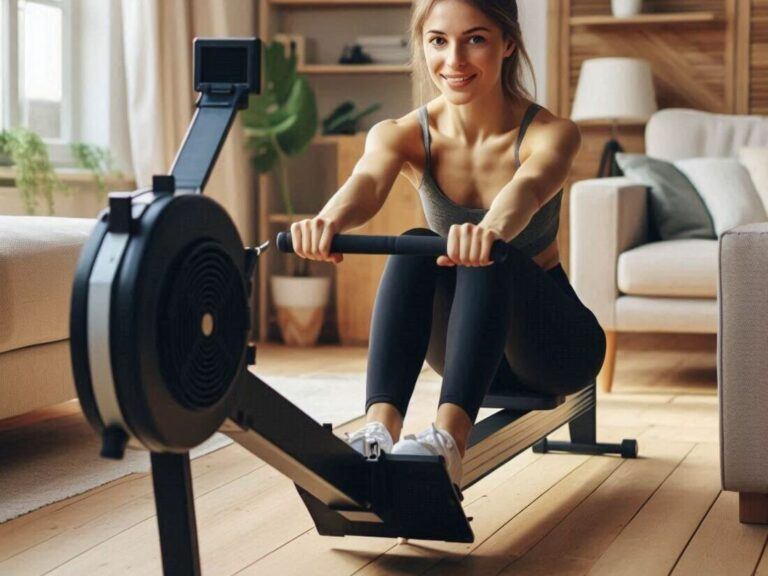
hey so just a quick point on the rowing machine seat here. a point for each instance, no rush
(511, 398)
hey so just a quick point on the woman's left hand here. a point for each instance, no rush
(469, 245)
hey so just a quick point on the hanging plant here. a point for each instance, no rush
(98, 161)
(35, 178)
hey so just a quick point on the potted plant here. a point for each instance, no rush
(98, 161)
(35, 178)
(281, 122)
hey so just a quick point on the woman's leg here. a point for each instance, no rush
(400, 329)
(469, 333)
(512, 318)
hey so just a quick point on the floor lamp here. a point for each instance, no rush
(616, 90)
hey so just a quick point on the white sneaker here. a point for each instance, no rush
(371, 439)
(434, 442)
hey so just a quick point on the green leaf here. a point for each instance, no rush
(284, 114)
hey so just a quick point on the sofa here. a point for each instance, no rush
(38, 257)
(633, 284)
(742, 368)
(717, 286)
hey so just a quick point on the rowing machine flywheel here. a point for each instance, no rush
(160, 319)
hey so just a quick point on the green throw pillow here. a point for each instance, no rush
(676, 209)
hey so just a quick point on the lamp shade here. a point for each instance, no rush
(618, 89)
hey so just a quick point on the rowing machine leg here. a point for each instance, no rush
(584, 439)
(172, 481)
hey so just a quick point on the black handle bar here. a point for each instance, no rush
(362, 244)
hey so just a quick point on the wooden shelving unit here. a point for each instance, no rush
(679, 18)
(277, 16)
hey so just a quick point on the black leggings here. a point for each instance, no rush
(510, 325)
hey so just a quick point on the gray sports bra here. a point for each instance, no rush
(441, 212)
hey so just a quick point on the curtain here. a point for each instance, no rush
(157, 40)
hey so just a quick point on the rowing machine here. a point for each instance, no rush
(158, 332)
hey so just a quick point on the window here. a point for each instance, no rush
(35, 56)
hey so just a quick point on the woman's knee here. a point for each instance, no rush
(419, 232)
(408, 264)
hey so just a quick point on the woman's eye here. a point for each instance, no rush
(480, 40)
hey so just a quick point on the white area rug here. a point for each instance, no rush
(53, 460)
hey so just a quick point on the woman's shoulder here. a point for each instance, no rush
(398, 134)
(546, 122)
(551, 131)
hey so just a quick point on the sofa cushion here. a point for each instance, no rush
(727, 189)
(755, 160)
(675, 133)
(38, 257)
(676, 209)
(686, 268)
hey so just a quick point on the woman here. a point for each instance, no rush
(488, 164)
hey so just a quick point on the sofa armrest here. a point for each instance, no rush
(742, 364)
(607, 217)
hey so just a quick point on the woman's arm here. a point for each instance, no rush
(537, 180)
(364, 192)
(553, 148)
(359, 199)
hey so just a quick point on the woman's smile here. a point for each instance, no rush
(459, 81)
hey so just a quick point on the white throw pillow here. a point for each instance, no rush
(727, 190)
(756, 162)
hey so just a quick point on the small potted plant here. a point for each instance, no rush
(281, 122)
(98, 161)
(35, 178)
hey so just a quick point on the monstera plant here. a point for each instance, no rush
(281, 122)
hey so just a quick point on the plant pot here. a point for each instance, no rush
(300, 302)
(626, 8)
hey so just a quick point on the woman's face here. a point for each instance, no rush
(464, 50)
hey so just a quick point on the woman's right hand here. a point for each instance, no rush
(312, 237)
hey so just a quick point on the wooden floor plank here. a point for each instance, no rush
(722, 544)
(90, 522)
(667, 520)
(576, 543)
(527, 528)
(762, 567)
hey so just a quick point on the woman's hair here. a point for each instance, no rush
(505, 15)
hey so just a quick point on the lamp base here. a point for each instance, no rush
(608, 165)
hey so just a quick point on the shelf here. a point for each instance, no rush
(355, 69)
(648, 19)
(323, 3)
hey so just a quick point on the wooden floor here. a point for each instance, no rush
(663, 513)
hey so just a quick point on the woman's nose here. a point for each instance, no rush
(456, 58)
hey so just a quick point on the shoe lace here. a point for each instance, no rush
(374, 436)
(434, 436)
